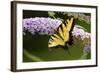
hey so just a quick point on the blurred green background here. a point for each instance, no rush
(35, 47)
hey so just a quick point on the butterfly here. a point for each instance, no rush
(63, 36)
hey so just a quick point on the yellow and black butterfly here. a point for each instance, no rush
(62, 37)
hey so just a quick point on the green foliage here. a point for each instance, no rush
(45, 54)
(84, 24)
(59, 15)
(85, 56)
(88, 14)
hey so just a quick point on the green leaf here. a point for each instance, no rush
(32, 57)
(85, 55)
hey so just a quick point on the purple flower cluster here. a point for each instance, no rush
(41, 25)
(87, 48)
(80, 33)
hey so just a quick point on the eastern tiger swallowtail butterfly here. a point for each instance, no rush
(62, 37)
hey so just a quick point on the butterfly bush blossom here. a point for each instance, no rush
(83, 35)
(80, 33)
(87, 48)
(41, 25)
